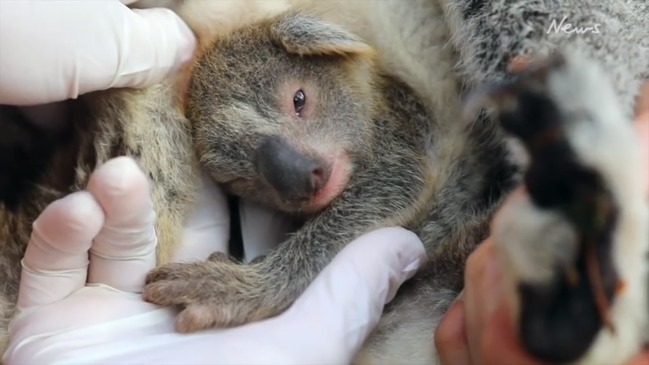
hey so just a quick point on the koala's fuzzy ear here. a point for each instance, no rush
(308, 36)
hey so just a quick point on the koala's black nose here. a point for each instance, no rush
(294, 175)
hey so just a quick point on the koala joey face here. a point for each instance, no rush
(282, 111)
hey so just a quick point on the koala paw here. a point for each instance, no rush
(214, 293)
(574, 240)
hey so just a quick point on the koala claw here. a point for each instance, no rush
(216, 293)
(196, 317)
(219, 257)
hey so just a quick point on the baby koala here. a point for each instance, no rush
(296, 114)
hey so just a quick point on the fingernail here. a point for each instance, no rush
(188, 44)
(411, 269)
(460, 297)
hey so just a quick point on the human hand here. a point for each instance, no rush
(56, 50)
(477, 327)
(84, 268)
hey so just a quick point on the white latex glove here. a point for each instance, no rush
(56, 50)
(105, 236)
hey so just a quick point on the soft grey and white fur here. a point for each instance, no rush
(411, 156)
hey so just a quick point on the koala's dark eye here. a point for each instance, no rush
(299, 99)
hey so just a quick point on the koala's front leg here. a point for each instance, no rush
(575, 241)
(220, 292)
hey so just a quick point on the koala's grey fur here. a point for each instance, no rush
(417, 162)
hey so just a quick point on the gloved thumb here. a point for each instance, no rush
(346, 300)
(124, 250)
(157, 42)
(56, 50)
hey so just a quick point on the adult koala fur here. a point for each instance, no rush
(429, 168)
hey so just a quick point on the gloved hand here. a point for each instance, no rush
(83, 270)
(56, 50)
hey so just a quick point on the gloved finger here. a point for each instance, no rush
(261, 229)
(124, 250)
(83, 46)
(346, 299)
(56, 260)
(170, 44)
(207, 229)
(450, 336)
